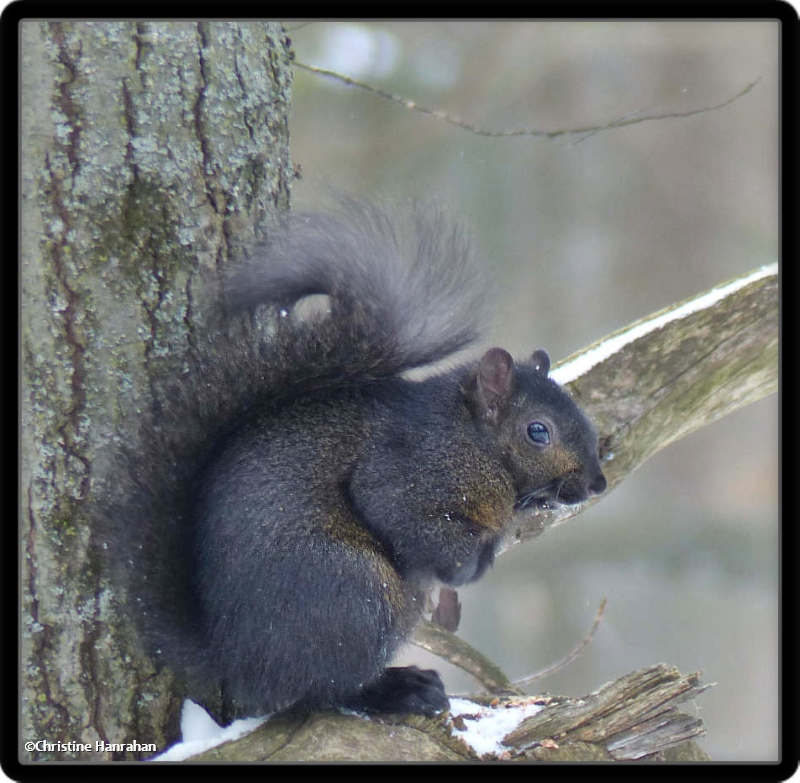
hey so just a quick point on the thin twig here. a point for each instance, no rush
(441, 115)
(297, 27)
(569, 657)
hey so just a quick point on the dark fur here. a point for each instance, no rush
(294, 495)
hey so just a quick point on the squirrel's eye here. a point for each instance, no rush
(539, 433)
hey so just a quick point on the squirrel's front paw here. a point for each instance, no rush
(404, 689)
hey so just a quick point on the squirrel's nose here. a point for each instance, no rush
(598, 484)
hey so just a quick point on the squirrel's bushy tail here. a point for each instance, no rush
(403, 292)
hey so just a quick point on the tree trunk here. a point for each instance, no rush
(151, 152)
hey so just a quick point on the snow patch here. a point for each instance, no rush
(485, 726)
(199, 732)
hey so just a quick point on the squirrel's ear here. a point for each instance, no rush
(541, 361)
(495, 381)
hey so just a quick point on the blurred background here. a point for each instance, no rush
(583, 234)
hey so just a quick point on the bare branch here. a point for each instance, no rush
(569, 657)
(441, 641)
(449, 647)
(632, 718)
(635, 717)
(548, 134)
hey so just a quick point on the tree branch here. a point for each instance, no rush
(633, 718)
(439, 641)
(629, 719)
(569, 657)
(620, 122)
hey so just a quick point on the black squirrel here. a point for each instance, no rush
(299, 494)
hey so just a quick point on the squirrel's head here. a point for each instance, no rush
(544, 440)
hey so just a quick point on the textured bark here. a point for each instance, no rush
(633, 718)
(330, 736)
(150, 152)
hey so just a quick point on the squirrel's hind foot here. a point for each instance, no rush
(402, 690)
